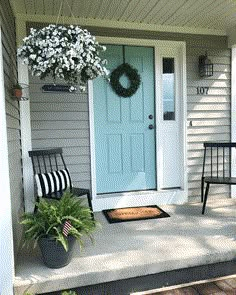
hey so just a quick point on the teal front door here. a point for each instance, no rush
(124, 137)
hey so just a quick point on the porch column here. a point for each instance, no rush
(6, 241)
(233, 115)
(26, 141)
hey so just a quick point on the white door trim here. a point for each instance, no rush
(158, 197)
(25, 125)
(169, 132)
(26, 142)
(92, 139)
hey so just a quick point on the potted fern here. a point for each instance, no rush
(56, 225)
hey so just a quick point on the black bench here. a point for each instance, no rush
(216, 167)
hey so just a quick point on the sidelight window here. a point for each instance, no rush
(168, 90)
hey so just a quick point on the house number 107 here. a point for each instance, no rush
(202, 90)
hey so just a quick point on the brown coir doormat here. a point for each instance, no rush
(134, 213)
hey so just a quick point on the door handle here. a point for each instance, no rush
(150, 117)
(151, 126)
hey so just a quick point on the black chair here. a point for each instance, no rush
(216, 167)
(50, 171)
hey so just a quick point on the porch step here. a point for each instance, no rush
(132, 250)
(174, 282)
(221, 285)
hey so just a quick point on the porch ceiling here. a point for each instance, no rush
(201, 16)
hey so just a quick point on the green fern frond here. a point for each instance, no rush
(51, 216)
(61, 238)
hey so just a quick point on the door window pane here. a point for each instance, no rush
(168, 82)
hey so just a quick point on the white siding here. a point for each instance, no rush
(208, 115)
(13, 118)
(61, 120)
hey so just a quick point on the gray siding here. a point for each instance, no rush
(62, 120)
(13, 117)
(209, 114)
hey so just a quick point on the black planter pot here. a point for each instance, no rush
(54, 254)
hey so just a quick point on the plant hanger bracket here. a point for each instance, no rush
(123, 53)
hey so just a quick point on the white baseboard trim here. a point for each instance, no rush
(141, 198)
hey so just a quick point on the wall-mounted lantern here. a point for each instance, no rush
(205, 66)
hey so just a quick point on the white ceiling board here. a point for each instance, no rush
(183, 14)
(231, 21)
(49, 6)
(148, 7)
(79, 7)
(18, 6)
(196, 14)
(161, 4)
(56, 7)
(219, 16)
(111, 10)
(91, 8)
(180, 17)
(85, 22)
(30, 6)
(118, 12)
(168, 12)
(135, 14)
(101, 13)
(199, 13)
(39, 7)
(201, 16)
(128, 10)
(67, 8)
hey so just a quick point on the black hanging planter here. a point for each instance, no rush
(53, 253)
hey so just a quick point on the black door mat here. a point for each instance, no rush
(134, 213)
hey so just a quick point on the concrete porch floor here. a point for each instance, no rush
(139, 248)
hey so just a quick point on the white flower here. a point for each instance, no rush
(33, 56)
(72, 88)
(49, 51)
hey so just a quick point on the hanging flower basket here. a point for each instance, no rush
(68, 53)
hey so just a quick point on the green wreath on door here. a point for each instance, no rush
(133, 76)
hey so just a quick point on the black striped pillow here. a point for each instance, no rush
(52, 182)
